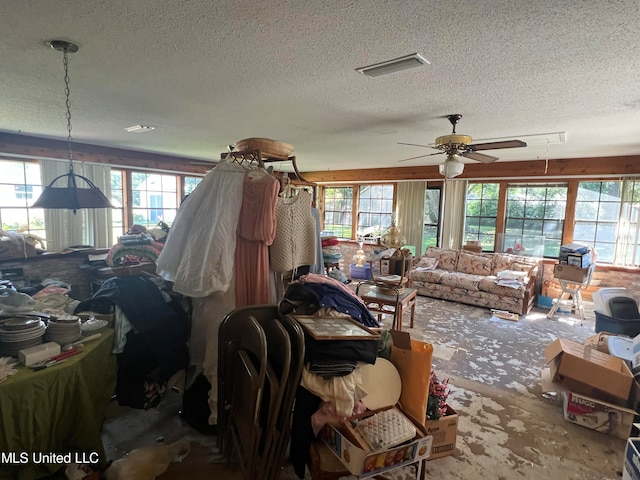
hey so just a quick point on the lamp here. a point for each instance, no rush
(393, 237)
(70, 196)
(451, 167)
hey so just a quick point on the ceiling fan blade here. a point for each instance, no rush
(420, 156)
(417, 145)
(480, 157)
(497, 145)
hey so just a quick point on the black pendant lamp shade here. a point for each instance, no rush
(70, 196)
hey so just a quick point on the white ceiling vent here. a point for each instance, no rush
(395, 65)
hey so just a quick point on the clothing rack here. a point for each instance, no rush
(256, 157)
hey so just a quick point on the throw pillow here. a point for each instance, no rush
(427, 263)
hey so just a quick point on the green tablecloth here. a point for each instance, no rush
(57, 410)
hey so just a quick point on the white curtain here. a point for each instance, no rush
(410, 207)
(89, 226)
(455, 194)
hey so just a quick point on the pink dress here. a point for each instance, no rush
(256, 231)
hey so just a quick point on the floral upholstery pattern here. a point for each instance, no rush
(471, 278)
(447, 259)
(475, 264)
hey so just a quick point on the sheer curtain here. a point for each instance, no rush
(89, 226)
(410, 207)
(455, 194)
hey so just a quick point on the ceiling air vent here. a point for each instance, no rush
(395, 65)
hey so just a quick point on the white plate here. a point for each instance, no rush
(94, 324)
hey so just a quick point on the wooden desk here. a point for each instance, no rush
(384, 301)
(59, 409)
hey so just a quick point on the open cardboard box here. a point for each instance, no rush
(347, 445)
(444, 432)
(587, 371)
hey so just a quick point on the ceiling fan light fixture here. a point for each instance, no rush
(71, 196)
(395, 65)
(451, 167)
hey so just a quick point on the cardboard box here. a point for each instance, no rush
(444, 432)
(347, 445)
(589, 372)
(580, 260)
(631, 470)
(364, 463)
(570, 273)
(598, 415)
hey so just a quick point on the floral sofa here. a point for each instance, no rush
(494, 280)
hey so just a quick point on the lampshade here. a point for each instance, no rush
(393, 237)
(451, 167)
(70, 196)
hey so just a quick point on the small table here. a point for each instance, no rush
(389, 300)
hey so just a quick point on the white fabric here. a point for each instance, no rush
(344, 391)
(411, 212)
(198, 254)
(89, 226)
(455, 193)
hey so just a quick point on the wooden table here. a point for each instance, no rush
(388, 300)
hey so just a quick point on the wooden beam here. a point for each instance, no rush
(604, 167)
(36, 147)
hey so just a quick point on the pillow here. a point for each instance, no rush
(427, 263)
(522, 267)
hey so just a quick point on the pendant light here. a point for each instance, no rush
(70, 196)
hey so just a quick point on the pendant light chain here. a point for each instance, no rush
(68, 104)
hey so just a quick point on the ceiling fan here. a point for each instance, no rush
(456, 145)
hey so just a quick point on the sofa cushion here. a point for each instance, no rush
(490, 284)
(427, 276)
(474, 263)
(447, 259)
(427, 263)
(504, 261)
(461, 280)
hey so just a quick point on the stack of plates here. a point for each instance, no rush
(63, 329)
(18, 333)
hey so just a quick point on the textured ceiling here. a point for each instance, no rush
(207, 74)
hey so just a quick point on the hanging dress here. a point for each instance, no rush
(199, 251)
(256, 231)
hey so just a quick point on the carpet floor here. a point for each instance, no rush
(507, 429)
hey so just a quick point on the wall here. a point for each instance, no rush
(71, 268)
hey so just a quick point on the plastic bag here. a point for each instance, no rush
(148, 462)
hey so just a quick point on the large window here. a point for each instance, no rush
(481, 213)
(597, 212)
(371, 213)
(338, 211)
(20, 186)
(155, 198)
(431, 228)
(535, 211)
(375, 208)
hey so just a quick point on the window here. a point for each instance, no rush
(533, 211)
(155, 198)
(190, 184)
(338, 211)
(598, 207)
(375, 208)
(481, 213)
(431, 229)
(19, 187)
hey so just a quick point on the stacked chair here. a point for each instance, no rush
(260, 362)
